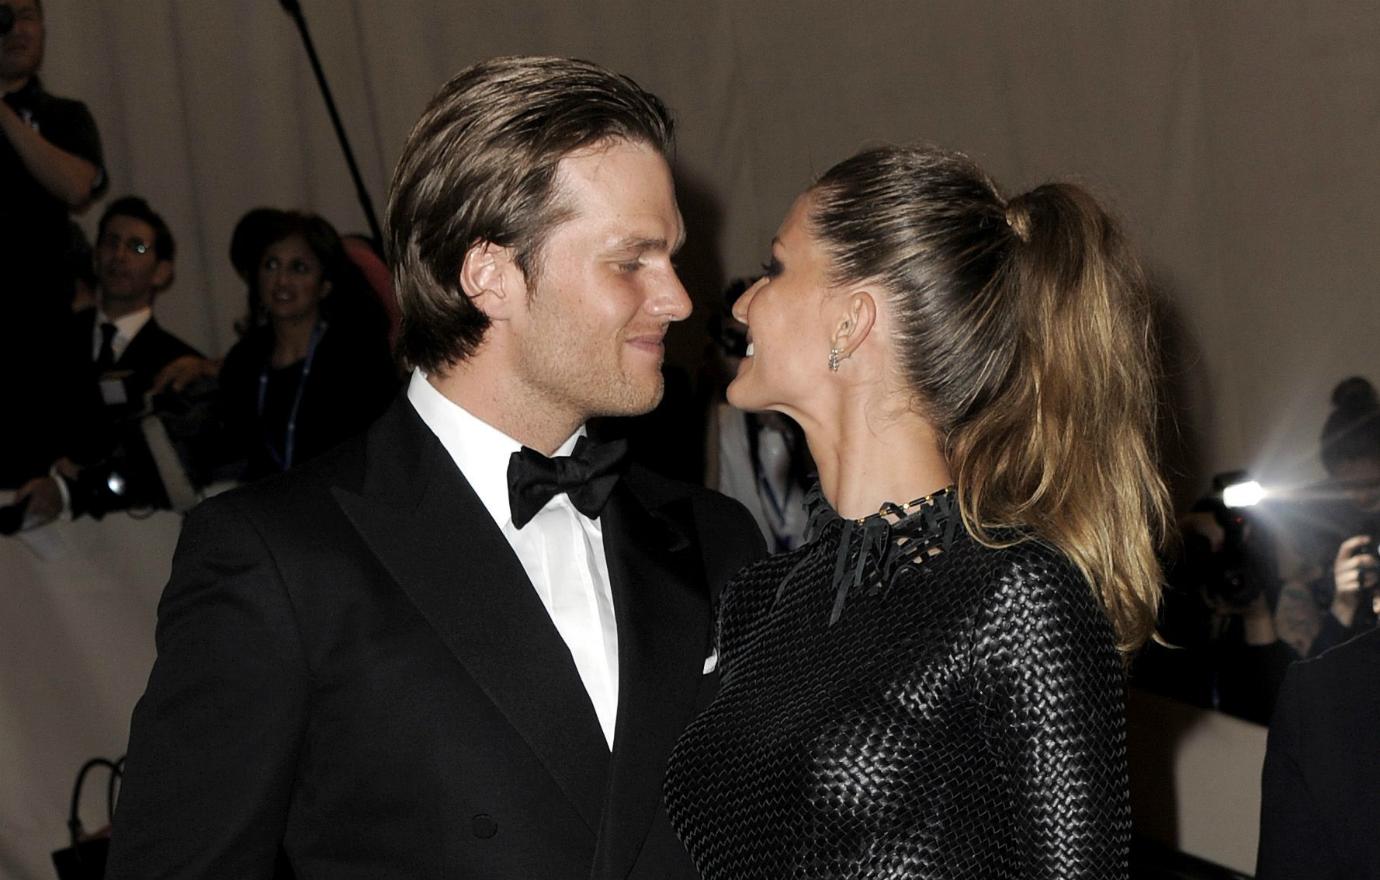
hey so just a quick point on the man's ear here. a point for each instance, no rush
(857, 316)
(162, 276)
(491, 278)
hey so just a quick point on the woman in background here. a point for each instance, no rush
(933, 685)
(313, 365)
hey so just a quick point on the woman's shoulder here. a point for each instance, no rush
(1027, 580)
(1036, 606)
(246, 358)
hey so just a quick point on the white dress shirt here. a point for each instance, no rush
(126, 328)
(561, 549)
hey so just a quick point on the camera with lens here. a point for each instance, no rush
(1234, 574)
(1325, 587)
(156, 457)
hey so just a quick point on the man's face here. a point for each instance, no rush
(590, 339)
(21, 51)
(127, 266)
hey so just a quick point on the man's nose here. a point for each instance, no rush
(671, 300)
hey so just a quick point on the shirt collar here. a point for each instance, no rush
(126, 326)
(28, 92)
(479, 450)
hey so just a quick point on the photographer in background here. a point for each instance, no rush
(50, 164)
(113, 351)
(1217, 616)
(1332, 599)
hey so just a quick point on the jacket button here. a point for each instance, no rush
(484, 826)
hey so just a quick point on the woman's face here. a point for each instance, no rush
(292, 282)
(1366, 473)
(789, 336)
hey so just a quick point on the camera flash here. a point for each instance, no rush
(1245, 494)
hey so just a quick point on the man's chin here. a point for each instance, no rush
(633, 402)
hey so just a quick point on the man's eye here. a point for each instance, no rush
(629, 267)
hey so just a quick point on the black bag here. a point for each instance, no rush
(85, 858)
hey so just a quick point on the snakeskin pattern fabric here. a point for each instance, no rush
(965, 721)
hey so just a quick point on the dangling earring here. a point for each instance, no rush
(833, 360)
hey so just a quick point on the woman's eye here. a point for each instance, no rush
(771, 268)
(630, 267)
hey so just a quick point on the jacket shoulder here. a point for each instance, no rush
(286, 501)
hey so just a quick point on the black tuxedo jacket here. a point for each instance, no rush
(87, 425)
(353, 665)
(151, 349)
(1320, 789)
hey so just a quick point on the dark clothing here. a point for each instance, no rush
(151, 349)
(353, 664)
(89, 421)
(34, 221)
(36, 285)
(1320, 789)
(351, 381)
(1330, 525)
(1208, 595)
(964, 719)
(1332, 633)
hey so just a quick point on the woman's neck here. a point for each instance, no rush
(868, 457)
(292, 339)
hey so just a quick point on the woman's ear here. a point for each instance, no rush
(857, 318)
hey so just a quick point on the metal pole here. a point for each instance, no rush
(294, 9)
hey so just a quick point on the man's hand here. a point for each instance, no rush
(1352, 571)
(183, 371)
(45, 500)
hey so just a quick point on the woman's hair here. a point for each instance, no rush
(1352, 429)
(1025, 330)
(260, 229)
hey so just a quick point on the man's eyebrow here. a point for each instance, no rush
(638, 244)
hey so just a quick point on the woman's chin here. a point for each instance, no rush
(738, 394)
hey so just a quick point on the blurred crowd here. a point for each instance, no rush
(112, 411)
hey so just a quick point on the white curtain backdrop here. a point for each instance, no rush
(1237, 140)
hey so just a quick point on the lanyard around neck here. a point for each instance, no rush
(284, 461)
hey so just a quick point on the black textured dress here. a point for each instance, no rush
(899, 701)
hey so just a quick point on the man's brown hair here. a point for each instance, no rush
(480, 166)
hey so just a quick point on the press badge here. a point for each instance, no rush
(113, 388)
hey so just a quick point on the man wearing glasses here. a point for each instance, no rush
(116, 348)
(134, 262)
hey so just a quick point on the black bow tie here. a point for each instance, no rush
(587, 476)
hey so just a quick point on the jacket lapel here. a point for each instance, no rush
(661, 605)
(429, 529)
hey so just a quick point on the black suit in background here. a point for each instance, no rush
(353, 664)
(87, 424)
(151, 349)
(1320, 790)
